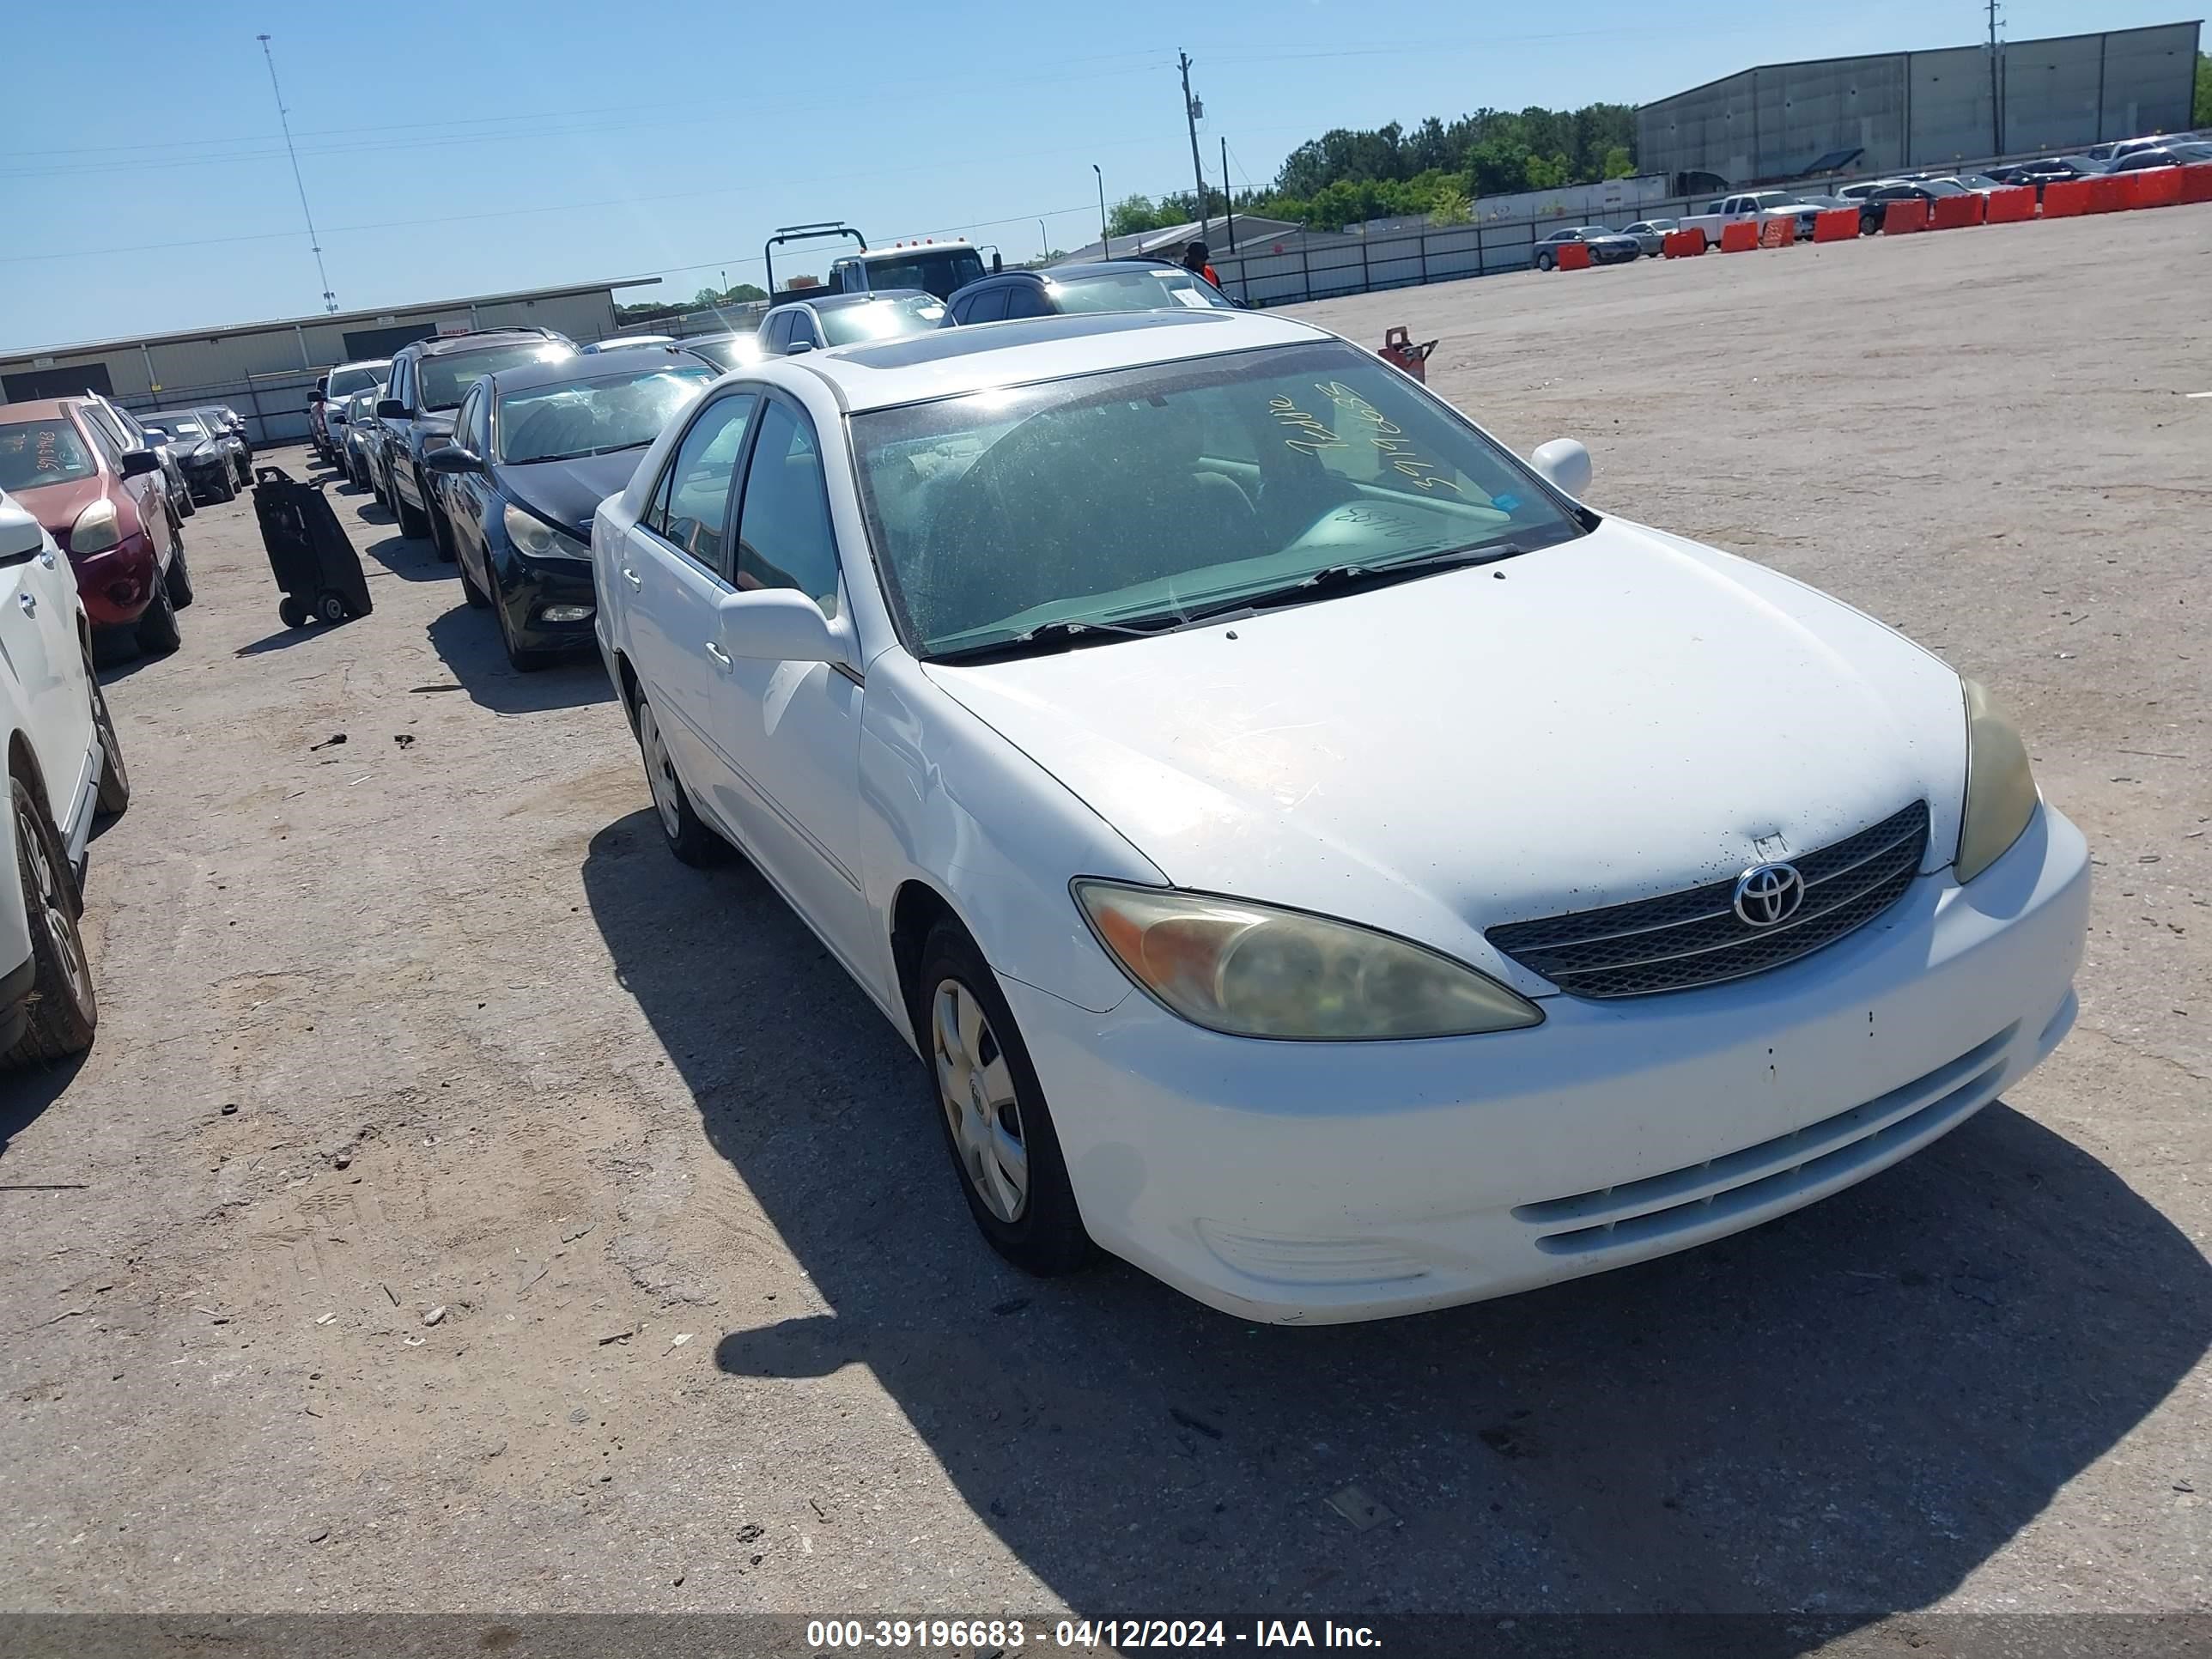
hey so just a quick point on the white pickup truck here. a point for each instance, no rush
(1756, 205)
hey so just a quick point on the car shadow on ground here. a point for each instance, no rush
(404, 556)
(116, 655)
(1842, 1413)
(468, 641)
(25, 1095)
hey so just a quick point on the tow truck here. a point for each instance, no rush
(939, 266)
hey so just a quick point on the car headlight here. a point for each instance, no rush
(1253, 970)
(96, 529)
(533, 535)
(2001, 794)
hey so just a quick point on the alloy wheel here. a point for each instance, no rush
(975, 1086)
(52, 899)
(660, 774)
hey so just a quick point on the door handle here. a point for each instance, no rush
(31, 607)
(721, 657)
(47, 557)
(632, 577)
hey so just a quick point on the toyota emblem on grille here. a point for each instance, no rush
(1767, 894)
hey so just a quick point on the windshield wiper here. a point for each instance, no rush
(1350, 574)
(1061, 635)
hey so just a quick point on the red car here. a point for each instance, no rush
(108, 510)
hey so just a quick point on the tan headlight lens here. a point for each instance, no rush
(1253, 971)
(2001, 794)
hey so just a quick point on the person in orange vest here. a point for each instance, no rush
(1194, 260)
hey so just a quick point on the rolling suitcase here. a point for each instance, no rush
(313, 562)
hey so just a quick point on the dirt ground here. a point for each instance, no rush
(404, 1008)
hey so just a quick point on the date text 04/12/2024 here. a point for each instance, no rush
(1011, 1635)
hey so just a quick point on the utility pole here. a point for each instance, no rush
(1996, 89)
(1191, 109)
(1105, 242)
(284, 119)
(1228, 199)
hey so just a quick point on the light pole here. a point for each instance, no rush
(1044, 247)
(1105, 242)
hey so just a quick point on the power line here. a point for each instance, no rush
(284, 120)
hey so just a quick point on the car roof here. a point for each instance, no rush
(838, 301)
(1099, 268)
(362, 362)
(596, 366)
(39, 409)
(439, 345)
(947, 362)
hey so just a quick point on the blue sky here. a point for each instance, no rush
(462, 148)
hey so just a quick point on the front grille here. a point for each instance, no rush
(1692, 938)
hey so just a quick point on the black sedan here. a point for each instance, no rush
(535, 449)
(1103, 285)
(205, 452)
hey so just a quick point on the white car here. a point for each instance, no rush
(64, 766)
(1319, 860)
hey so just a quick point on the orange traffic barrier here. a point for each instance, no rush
(1777, 232)
(2111, 192)
(2064, 198)
(1840, 225)
(2010, 207)
(2157, 186)
(1901, 217)
(1955, 212)
(1684, 244)
(1742, 237)
(1574, 256)
(2196, 182)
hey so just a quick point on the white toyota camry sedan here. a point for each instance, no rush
(1318, 859)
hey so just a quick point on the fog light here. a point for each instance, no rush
(565, 612)
(122, 592)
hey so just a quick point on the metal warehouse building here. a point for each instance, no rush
(265, 370)
(1927, 108)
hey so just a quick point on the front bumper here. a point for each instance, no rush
(1318, 1183)
(116, 584)
(527, 588)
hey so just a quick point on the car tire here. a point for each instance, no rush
(224, 489)
(114, 797)
(62, 1011)
(158, 635)
(476, 595)
(441, 530)
(989, 1104)
(180, 579)
(183, 506)
(687, 834)
(1544, 261)
(413, 522)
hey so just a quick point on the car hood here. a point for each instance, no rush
(1621, 716)
(56, 505)
(569, 492)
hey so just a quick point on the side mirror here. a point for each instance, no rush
(780, 624)
(1566, 463)
(391, 408)
(797, 346)
(21, 536)
(138, 462)
(997, 263)
(314, 397)
(451, 458)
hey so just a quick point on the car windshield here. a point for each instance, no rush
(593, 416)
(1160, 288)
(880, 320)
(344, 382)
(941, 271)
(1945, 187)
(445, 380)
(36, 453)
(360, 405)
(182, 428)
(728, 351)
(1149, 493)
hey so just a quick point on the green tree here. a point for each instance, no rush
(1619, 162)
(2202, 118)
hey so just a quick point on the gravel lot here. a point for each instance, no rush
(427, 1019)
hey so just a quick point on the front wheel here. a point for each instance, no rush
(158, 633)
(413, 522)
(180, 579)
(114, 778)
(183, 505)
(223, 490)
(62, 1010)
(1544, 262)
(997, 1126)
(688, 837)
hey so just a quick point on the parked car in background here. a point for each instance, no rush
(332, 390)
(840, 319)
(360, 423)
(1651, 234)
(235, 424)
(64, 766)
(122, 427)
(726, 351)
(937, 633)
(1068, 291)
(1873, 206)
(535, 450)
(1758, 206)
(2180, 153)
(2057, 169)
(209, 456)
(105, 507)
(1606, 247)
(424, 386)
(619, 342)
